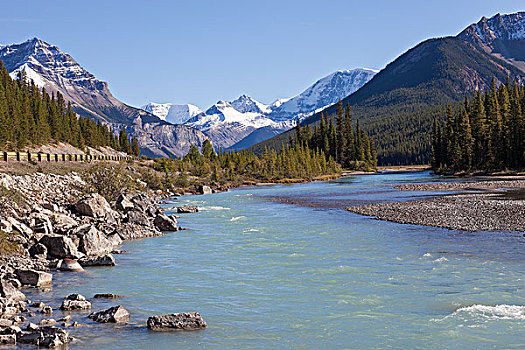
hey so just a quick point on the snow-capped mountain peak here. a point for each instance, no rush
(498, 27)
(246, 104)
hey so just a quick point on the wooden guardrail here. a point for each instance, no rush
(52, 157)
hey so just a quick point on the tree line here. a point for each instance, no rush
(339, 141)
(32, 117)
(486, 133)
(290, 164)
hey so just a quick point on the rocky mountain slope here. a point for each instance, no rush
(501, 35)
(245, 121)
(398, 104)
(57, 71)
(176, 114)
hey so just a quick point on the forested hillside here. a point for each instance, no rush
(30, 117)
(397, 107)
(487, 133)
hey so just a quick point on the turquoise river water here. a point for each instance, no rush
(286, 267)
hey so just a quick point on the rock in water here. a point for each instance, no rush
(180, 321)
(69, 265)
(34, 278)
(104, 260)
(75, 302)
(165, 223)
(187, 209)
(115, 314)
(106, 295)
(60, 247)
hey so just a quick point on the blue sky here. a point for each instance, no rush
(198, 52)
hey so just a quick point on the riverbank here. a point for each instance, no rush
(479, 206)
(52, 222)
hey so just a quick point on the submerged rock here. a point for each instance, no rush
(106, 295)
(187, 209)
(180, 321)
(115, 314)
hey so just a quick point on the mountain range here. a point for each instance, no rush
(246, 121)
(398, 105)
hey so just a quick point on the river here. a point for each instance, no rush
(286, 267)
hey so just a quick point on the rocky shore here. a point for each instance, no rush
(480, 206)
(52, 222)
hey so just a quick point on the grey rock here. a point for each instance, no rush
(20, 227)
(106, 296)
(34, 278)
(6, 339)
(94, 205)
(47, 310)
(187, 209)
(203, 189)
(69, 265)
(75, 302)
(115, 314)
(103, 260)
(165, 223)
(8, 291)
(138, 218)
(124, 203)
(93, 242)
(60, 247)
(47, 322)
(179, 321)
(115, 239)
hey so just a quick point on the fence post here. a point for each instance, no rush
(76, 157)
(48, 156)
(39, 157)
(28, 156)
(56, 157)
(5, 156)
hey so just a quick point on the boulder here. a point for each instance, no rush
(69, 265)
(165, 223)
(137, 217)
(40, 224)
(187, 209)
(45, 336)
(94, 205)
(180, 321)
(75, 302)
(124, 203)
(115, 314)
(133, 231)
(51, 207)
(142, 202)
(47, 310)
(93, 242)
(103, 260)
(38, 250)
(60, 247)
(7, 339)
(204, 189)
(8, 291)
(63, 222)
(115, 239)
(34, 278)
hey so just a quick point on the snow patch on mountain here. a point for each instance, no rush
(173, 113)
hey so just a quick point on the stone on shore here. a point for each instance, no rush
(179, 321)
(103, 260)
(203, 189)
(34, 278)
(38, 250)
(7, 339)
(93, 242)
(45, 336)
(69, 265)
(115, 314)
(8, 291)
(187, 209)
(124, 203)
(75, 302)
(94, 205)
(165, 223)
(60, 247)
